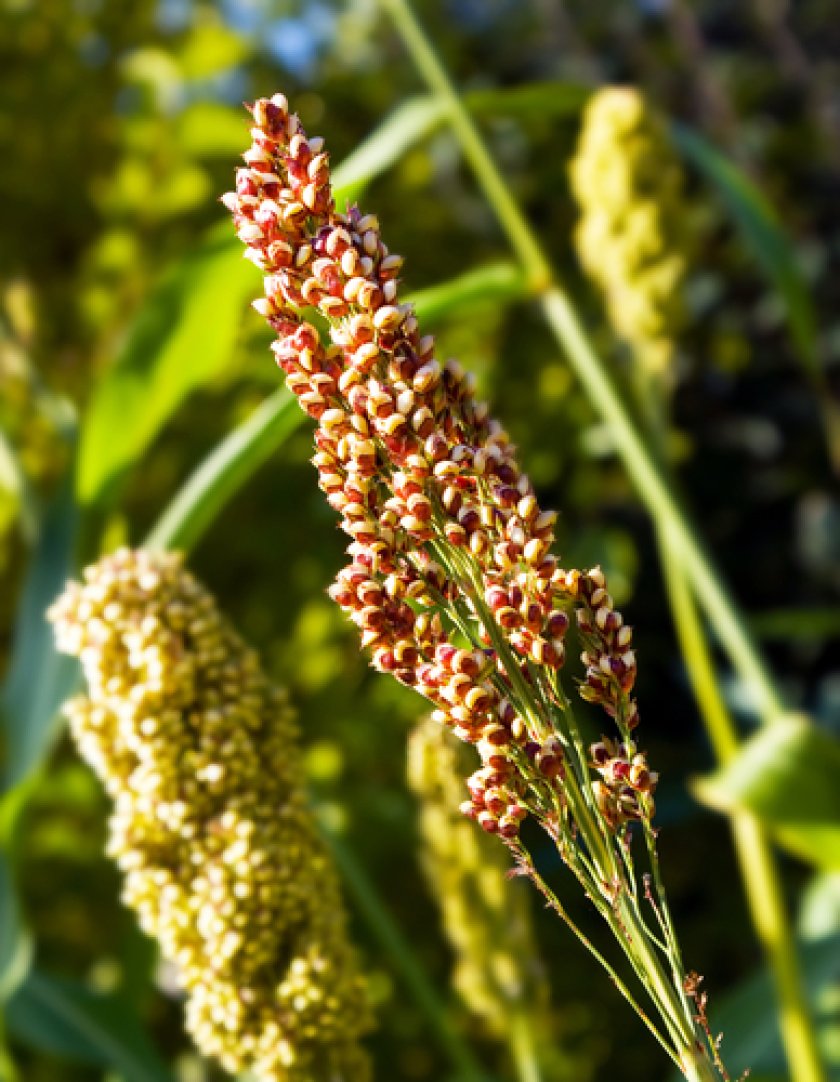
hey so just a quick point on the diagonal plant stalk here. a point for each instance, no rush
(658, 493)
(654, 488)
(759, 872)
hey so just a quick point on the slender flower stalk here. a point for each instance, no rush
(222, 859)
(450, 577)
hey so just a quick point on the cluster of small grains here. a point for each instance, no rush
(450, 577)
(485, 915)
(632, 238)
(222, 860)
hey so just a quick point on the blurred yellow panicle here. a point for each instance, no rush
(32, 447)
(222, 859)
(632, 238)
(485, 917)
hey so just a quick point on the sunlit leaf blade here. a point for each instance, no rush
(417, 118)
(406, 126)
(67, 1019)
(498, 283)
(762, 234)
(787, 776)
(39, 679)
(183, 338)
(224, 471)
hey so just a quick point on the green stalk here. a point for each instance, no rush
(648, 477)
(656, 491)
(523, 1048)
(759, 873)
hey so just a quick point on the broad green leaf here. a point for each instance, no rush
(406, 126)
(225, 470)
(788, 776)
(183, 338)
(67, 1019)
(763, 235)
(496, 283)
(39, 679)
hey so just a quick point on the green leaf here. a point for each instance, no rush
(406, 126)
(788, 624)
(763, 235)
(543, 98)
(17, 500)
(225, 470)
(210, 48)
(497, 283)
(15, 943)
(39, 679)
(417, 118)
(209, 129)
(788, 776)
(67, 1019)
(183, 338)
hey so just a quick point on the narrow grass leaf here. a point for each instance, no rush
(39, 679)
(763, 235)
(183, 338)
(406, 126)
(67, 1019)
(224, 471)
(497, 283)
(15, 942)
(547, 98)
(417, 118)
(786, 775)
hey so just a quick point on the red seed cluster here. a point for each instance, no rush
(624, 791)
(450, 576)
(608, 649)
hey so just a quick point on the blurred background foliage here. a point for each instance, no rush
(125, 332)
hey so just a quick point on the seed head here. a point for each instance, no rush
(222, 860)
(632, 237)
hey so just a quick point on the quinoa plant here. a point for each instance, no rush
(450, 576)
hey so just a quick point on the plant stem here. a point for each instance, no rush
(523, 1048)
(648, 477)
(759, 873)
